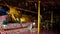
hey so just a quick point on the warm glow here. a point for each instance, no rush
(23, 19)
(16, 14)
(13, 13)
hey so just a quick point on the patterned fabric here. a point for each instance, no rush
(19, 31)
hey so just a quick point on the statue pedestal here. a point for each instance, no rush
(18, 31)
(16, 28)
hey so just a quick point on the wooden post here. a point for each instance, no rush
(39, 17)
(51, 17)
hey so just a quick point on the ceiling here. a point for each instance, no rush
(48, 5)
(26, 5)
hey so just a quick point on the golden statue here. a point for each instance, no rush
(16, 15)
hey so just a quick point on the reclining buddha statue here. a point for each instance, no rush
(16, 16)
